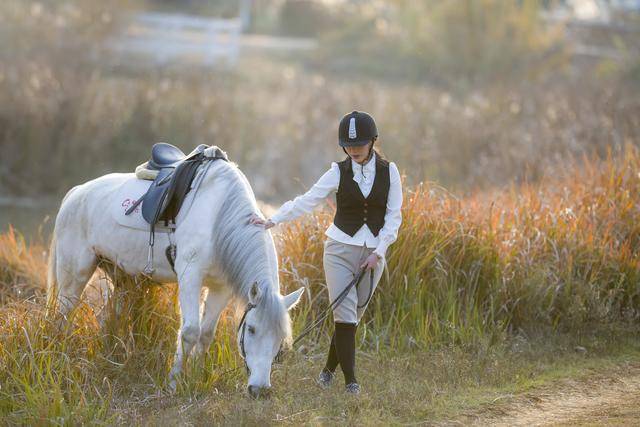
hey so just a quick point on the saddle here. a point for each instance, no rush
(173, 173)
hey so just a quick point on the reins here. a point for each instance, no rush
(335, 303)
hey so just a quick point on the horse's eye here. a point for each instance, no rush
(251, 330)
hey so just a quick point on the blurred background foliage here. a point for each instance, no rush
(470, 94)
(491, 40)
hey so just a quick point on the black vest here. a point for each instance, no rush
(353, 209)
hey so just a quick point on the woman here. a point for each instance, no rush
(368, 201)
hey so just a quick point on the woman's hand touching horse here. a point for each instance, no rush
(257, 220)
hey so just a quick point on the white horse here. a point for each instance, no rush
(216, 248)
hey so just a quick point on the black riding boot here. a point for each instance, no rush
(332, 357)
(345, 346)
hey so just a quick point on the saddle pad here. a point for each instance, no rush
(126, 195)
(130, 191)
(143, 173)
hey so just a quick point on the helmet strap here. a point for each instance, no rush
(373, 141)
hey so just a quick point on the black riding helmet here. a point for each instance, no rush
(356, 128)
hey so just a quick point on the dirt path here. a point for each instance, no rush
(603, 398)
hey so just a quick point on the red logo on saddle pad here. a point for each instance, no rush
(127, 203)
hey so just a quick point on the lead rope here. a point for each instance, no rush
(356, 280)
(325, 314)
(366, 303)
(333, 305)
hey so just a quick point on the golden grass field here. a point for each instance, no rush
(481, 293)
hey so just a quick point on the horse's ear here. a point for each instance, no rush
(293, 298)
(255, 293)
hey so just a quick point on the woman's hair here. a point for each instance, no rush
(379, 153)
(375, 150)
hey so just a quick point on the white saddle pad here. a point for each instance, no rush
(131, 190)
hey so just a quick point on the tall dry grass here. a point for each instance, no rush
(112, 349)
(22, 267)
(286, 116)
(560, 256)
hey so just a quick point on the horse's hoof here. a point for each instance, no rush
(198, 350)
(259, 392)
(173, 385)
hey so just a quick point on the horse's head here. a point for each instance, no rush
(265, 328)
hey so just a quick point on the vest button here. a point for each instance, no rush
(365, 218)
(365, 211)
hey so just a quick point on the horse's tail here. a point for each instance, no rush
(52, 263)
(52, 279)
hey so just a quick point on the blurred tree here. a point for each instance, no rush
(453, 42)
(476, 40)
(305, 18)
(219, 8)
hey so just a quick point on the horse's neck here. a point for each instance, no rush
(238, 187)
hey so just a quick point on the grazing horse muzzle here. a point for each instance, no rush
(260, 379)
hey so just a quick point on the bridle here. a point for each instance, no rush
(335, 303)
(241, 330)
(242, 327)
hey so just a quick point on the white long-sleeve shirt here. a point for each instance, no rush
(364, 176)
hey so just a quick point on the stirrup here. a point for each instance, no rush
(148, 269)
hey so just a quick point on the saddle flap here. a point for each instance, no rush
(153, 203)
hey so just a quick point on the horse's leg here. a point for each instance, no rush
(217, 299)
(189, 287)
(74, 267)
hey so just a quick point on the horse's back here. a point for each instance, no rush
(97, 185)
(89, 196)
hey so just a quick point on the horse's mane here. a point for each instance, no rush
(245, 253)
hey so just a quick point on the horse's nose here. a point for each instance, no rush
(256, 392)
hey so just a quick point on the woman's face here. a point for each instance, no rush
(359, 154)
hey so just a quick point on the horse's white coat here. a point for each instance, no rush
(216, 248)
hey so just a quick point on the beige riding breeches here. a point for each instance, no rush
(341, 264)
